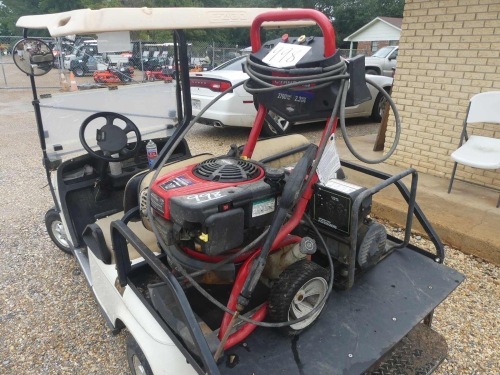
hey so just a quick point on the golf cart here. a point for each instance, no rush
(261, 261)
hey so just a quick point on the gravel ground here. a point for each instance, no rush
(50, 324)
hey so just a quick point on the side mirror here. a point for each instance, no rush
(33, 56)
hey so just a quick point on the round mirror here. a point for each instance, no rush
(33, 56)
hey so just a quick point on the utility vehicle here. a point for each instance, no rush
(261, 261)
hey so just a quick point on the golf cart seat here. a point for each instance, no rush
(100, 242)
(280, 151)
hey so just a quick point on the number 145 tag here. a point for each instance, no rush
(285, 55)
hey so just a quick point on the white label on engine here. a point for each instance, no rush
(285, 55)
(263, 207)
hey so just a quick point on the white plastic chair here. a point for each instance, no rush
(479, 151)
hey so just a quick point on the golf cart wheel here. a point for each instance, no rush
(299, 289)
(137, 361)
(57, 233)
(378, 108)
(79, 71)
(281, 126)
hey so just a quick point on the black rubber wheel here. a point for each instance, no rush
(372, 71)
(56, 230)
(297, 291)
(378, 107)
(137, 361)
(79, 71)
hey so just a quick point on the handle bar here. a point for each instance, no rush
(294, 15)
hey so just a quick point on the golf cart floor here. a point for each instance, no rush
(375, 327)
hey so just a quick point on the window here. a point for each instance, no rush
(374, 47)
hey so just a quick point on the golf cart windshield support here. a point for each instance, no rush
(47, 165)
(182, 92)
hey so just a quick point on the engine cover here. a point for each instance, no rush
(215, 203)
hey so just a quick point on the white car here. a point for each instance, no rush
(237, 107)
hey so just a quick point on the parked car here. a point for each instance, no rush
(382, 62)
(237, 107)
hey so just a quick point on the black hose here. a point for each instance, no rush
(396, 136)
(320, 77)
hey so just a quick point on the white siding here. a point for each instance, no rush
(378, 31)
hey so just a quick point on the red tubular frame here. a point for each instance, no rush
(255, 132)
(260, 314)
(213, 258)
(294, 15)
(276, 16)
(283, 237)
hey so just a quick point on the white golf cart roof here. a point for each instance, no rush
(84, 21)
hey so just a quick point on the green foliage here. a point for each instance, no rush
(13, 9)
(351, 15)
(55, 6)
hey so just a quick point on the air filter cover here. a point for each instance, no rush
(227, 169)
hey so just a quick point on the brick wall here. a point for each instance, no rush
(449, 51)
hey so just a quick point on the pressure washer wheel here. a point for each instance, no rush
(137, 361)
(56, 231)
(299, 289)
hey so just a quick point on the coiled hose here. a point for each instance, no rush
(300, 79)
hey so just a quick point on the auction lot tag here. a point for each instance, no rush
(285, 55)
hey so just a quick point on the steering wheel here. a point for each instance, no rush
(110, 138)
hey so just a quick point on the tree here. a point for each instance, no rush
(351, 15)
(347, 15)
(11, 10)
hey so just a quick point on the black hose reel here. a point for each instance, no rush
(296, 81)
